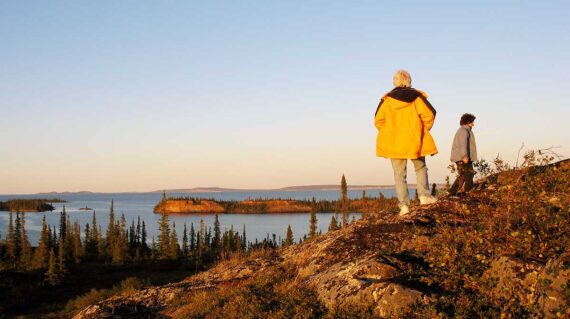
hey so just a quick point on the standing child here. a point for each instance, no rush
(463, 154)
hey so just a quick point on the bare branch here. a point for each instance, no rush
(519, 154)
(550, 151)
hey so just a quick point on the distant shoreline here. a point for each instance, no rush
(304, 188)
(301, 188)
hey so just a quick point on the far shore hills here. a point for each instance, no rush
(304, 188)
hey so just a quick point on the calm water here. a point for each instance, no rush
(141, 204)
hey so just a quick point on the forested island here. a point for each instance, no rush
(190, 205)
(193, 205)
(29, 205)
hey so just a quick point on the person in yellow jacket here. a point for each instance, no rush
(404, 118)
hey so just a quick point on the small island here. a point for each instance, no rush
(190, 205)
(210, 206)
(85, 208)
(29, 205)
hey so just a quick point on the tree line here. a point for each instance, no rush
(120, 243)
(60, 247)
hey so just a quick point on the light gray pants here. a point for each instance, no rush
(400, 175)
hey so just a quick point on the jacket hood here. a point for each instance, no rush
(405, 94)
(402, 97)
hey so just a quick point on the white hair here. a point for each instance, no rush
(402, 79)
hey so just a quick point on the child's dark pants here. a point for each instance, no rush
(465, 178)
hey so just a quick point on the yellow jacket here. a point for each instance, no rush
(404, 118)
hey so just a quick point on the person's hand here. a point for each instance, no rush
(465, 159)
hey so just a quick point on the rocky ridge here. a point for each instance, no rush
(397, 267)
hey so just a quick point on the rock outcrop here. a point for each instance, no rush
(361, 264)
(179, 206)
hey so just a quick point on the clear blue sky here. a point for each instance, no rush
(146, 95)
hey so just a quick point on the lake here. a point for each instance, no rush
(133, 205)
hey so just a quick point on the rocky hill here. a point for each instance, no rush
(500, 252)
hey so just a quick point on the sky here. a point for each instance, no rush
(119, 96)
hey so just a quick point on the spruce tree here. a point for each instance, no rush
(111, 230)
(333, 224)
(41, 254)
(344, 200)
(433, 189)
(50, 243)
(18, 235)
(192, 238)
(289, 237)
(164, 237)
(225, 242)
(120, 245)
(11, 246)
(343, 189)
(95, 235)
(185, 241)
(200, 241)
(231, 241)
(52, 273)
(101, 244)
(77, 248)
(143, 237)
(54, 237)
(202, 233)
(217, 235)
(94, 232)
(132, 235)
(174, 247)
(25, 247)
(198, 250)
(62, 224)
(61, 258)
(237, 242)
(153, 249)
(69, 234)
(88, 247)
(208, 238)
(138, 231)
(244, 239)
(313, 220)
(65, 248)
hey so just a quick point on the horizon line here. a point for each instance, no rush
(214, 189)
